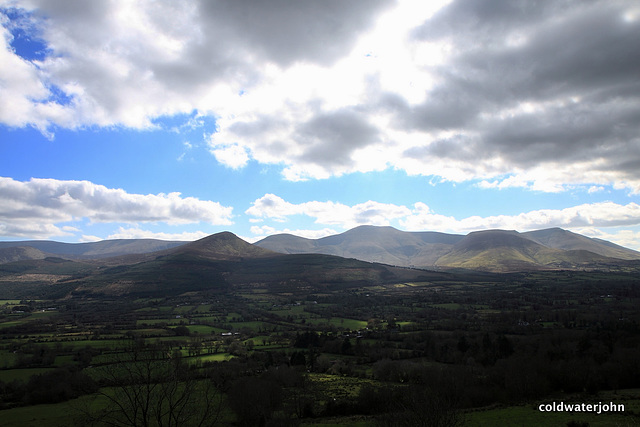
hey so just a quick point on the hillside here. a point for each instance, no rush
(500, 250)
(566, 240)
(491, 250)
(20, 253)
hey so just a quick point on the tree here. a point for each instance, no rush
(421, 406)
(254, 400)
(152, 387)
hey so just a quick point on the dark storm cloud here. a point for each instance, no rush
(533, 82)
(285, 31)
(571, 132)
(330, 138)
(484, 21)
(236, 36)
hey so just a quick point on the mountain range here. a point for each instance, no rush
(491, 250)
(39, 249)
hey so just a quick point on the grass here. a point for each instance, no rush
(448, 306)
(167, 320)
(220, 357)
(53, 415)
(21, 374)
(204, 329)
(253, 325)
(341, 322)
(335, 386)
(7, 359)
(109, 344)
(13, 323)
(352, 421)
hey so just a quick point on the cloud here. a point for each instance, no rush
(233, 155)
(34, 208)
(604, 214)
(137, 233)
(273, 207)
(530, 85)
(542, 95)
(24, 95)
(169, 57)
(371, 212)
(626, 238)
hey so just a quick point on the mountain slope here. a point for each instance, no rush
(498, 250)
(20, 253)
(563, 239)
(385, 245)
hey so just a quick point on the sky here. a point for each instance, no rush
(180, 119)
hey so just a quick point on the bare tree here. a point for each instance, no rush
(153, 387)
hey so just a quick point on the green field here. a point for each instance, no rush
(21, 374)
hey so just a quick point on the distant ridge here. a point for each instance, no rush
(92, 250)
(492, 250)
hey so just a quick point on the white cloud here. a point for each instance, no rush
(137, 233)
(23, 90)
(34, 208)
(624, 237)
(232, 155)
(605, 214)
(373, 213)
(262, 230)
(273, 207)
(89, 238)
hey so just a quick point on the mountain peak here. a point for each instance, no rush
(223, 245)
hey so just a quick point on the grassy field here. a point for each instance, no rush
(21, 374)
(55, 415)
(340, 322)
